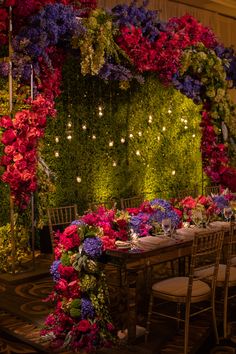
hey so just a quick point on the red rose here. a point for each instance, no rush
(8, 137)
(6, 122)
(83, 326)
(5, 160)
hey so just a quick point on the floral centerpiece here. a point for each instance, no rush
(206, 208)
(152, 213)
(80, 320)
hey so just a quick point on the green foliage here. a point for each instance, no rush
(160, 149)
(98, 40)
(21, 246)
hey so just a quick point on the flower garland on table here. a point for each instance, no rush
(81, 318)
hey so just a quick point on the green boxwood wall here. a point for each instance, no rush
(160, 150)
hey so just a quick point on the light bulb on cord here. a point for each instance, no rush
(57, 139)
(94, 137)
(84, 127)
(131, 136)
(78, 179)
(56, 153)
(69, 124)
(114, 164)
(140, 133)
(111, 143)
(173, 172)
(122, 140)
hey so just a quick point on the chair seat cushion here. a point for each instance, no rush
(177, 287)
(207, 273)
(233, 261)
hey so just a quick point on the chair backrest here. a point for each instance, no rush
(182, 193)
(212, 190)
(108, 204)
(59, 218)
(206, 251)
(231, 248)
(132, 202)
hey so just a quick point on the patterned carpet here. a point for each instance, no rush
(22, 313)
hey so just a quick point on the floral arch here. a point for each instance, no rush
(120, 45)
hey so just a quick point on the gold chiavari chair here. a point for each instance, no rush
(182, 193)
(190, 290)
(226, 279)
(108, 204)
(212, 190)
(132, 202)
(59, 218)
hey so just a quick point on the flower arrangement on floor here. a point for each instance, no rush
(81, 318)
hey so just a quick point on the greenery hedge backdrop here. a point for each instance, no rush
(123, 142)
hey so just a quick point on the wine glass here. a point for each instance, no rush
(166, 226)
(228, 213)
(197, 217)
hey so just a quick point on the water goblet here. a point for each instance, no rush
(197, 217)
(166, 226)
(228, 213)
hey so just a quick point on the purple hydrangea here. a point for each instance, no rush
(87, 309)
(78, 222)
(4, 69)
(53, 25)
(163, 210)
(110, 71)
(93, 247)
(230, 64)
(221, 202)
(54, 270)
(131, 15)
(190, 87)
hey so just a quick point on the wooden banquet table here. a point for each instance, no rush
(151, 251)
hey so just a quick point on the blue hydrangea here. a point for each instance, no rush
(54, 270)
(87, 309)
(93, 247)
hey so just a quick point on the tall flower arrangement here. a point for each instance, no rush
(81, 318)
(21, 138)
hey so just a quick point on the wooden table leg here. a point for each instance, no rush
(132, 310)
